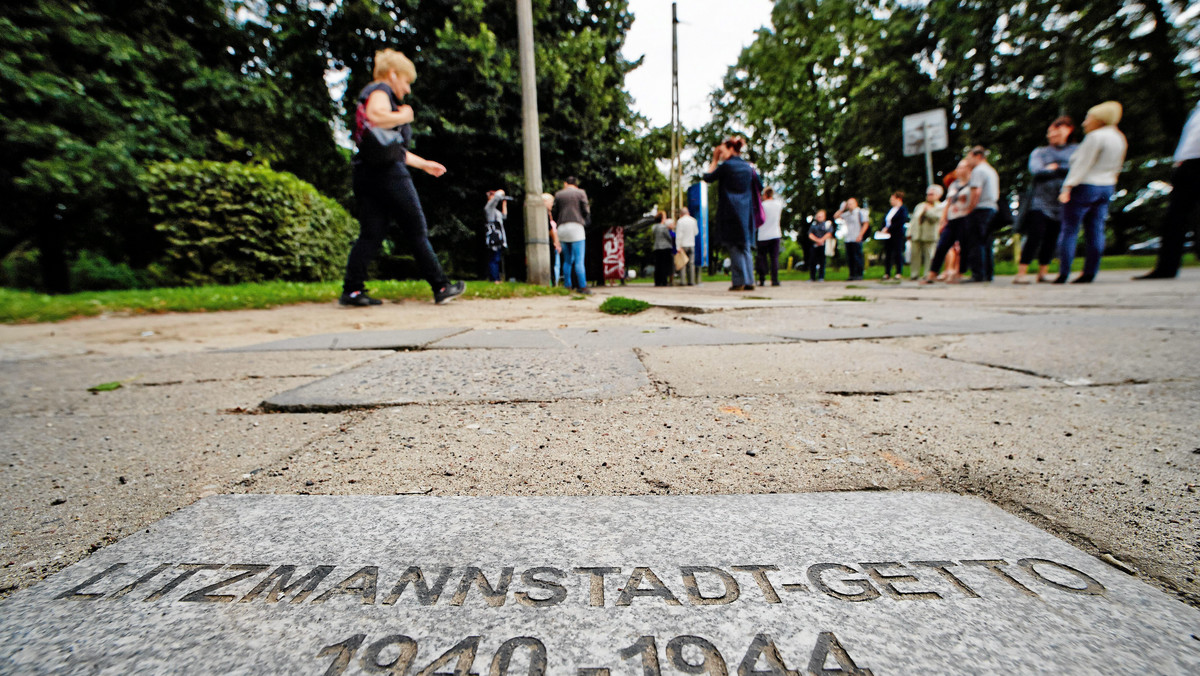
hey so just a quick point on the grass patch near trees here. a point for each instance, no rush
(620, 305)
(29, 307)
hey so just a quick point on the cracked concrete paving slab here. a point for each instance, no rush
(73, 484)
(626, 337)
(851, 367)
(471, 375)
(1079, 356)
(162, 384)
(647, 445)
(487, 339)
(411, 339)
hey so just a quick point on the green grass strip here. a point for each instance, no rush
(28, 307)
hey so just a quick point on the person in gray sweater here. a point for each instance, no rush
(1048, 164)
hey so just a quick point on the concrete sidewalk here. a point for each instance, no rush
(1072, 407)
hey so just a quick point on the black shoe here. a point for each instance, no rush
(358, 299)
(774, 283)
(1061, 279)
(583, 291)
(1082, 280)
(448, 293)
(1155, 274)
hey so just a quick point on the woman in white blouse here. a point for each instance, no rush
(1087, 189)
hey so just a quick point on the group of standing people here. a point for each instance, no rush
(1071, 189)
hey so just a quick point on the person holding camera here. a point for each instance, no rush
(494, 237)
(738, 208)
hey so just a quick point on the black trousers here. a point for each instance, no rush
(893, 255)
(383, 195)
(854, 259)
(664, 266)
(955, 231)
(1041, 238)
(1181, 216)
(975, 239)
(816, 261)
(768, 260)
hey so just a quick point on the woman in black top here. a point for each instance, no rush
(385, 192)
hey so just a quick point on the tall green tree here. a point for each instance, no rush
(821, 96)
(91, 91)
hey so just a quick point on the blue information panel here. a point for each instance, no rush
(697, 197)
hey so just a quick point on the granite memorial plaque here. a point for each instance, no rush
(828, 583)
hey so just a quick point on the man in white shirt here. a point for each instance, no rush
(1185, 198)
(985, 199)
(769, 235)
(856, 223)
(686, 230)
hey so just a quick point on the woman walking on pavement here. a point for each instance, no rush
(385, 192)
(738, 208)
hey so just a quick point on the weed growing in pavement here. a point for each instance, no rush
(619, 305)
(852, 299)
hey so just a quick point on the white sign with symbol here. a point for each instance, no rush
(930, 125)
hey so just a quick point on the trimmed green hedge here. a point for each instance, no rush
(228, 223)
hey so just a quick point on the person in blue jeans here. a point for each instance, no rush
(573, 215)
(1088, 187)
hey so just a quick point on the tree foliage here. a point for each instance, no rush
(94, 91)
(821, 96)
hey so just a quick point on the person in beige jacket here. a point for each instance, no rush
(1088, 187)
(923, 230)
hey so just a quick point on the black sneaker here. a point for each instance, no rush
(447, 293)
(358, 299)
(583, 291)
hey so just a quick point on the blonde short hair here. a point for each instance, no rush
(1108, 112)
(389, 60)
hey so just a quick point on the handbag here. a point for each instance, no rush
(381, 146)
(681, 260)
(377, 145)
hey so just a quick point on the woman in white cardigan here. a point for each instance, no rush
(1087, 189)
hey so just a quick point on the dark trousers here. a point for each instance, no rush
(768, 261)
(494, 264)
(816, 261)
(975, 239)
(1041, 238)
(1181, 216)
(664, 266)
(893, 255)
(954, 232)
(854, 259)
(384, 194)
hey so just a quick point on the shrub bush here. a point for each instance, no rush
(93, 272)
(20, 269)
(229, 223)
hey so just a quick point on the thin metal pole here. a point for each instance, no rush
(537, 238)
(676, 161)
(928, 157)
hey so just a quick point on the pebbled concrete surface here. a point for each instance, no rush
(1081, 421)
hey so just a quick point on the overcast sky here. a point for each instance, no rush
(711, 35)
